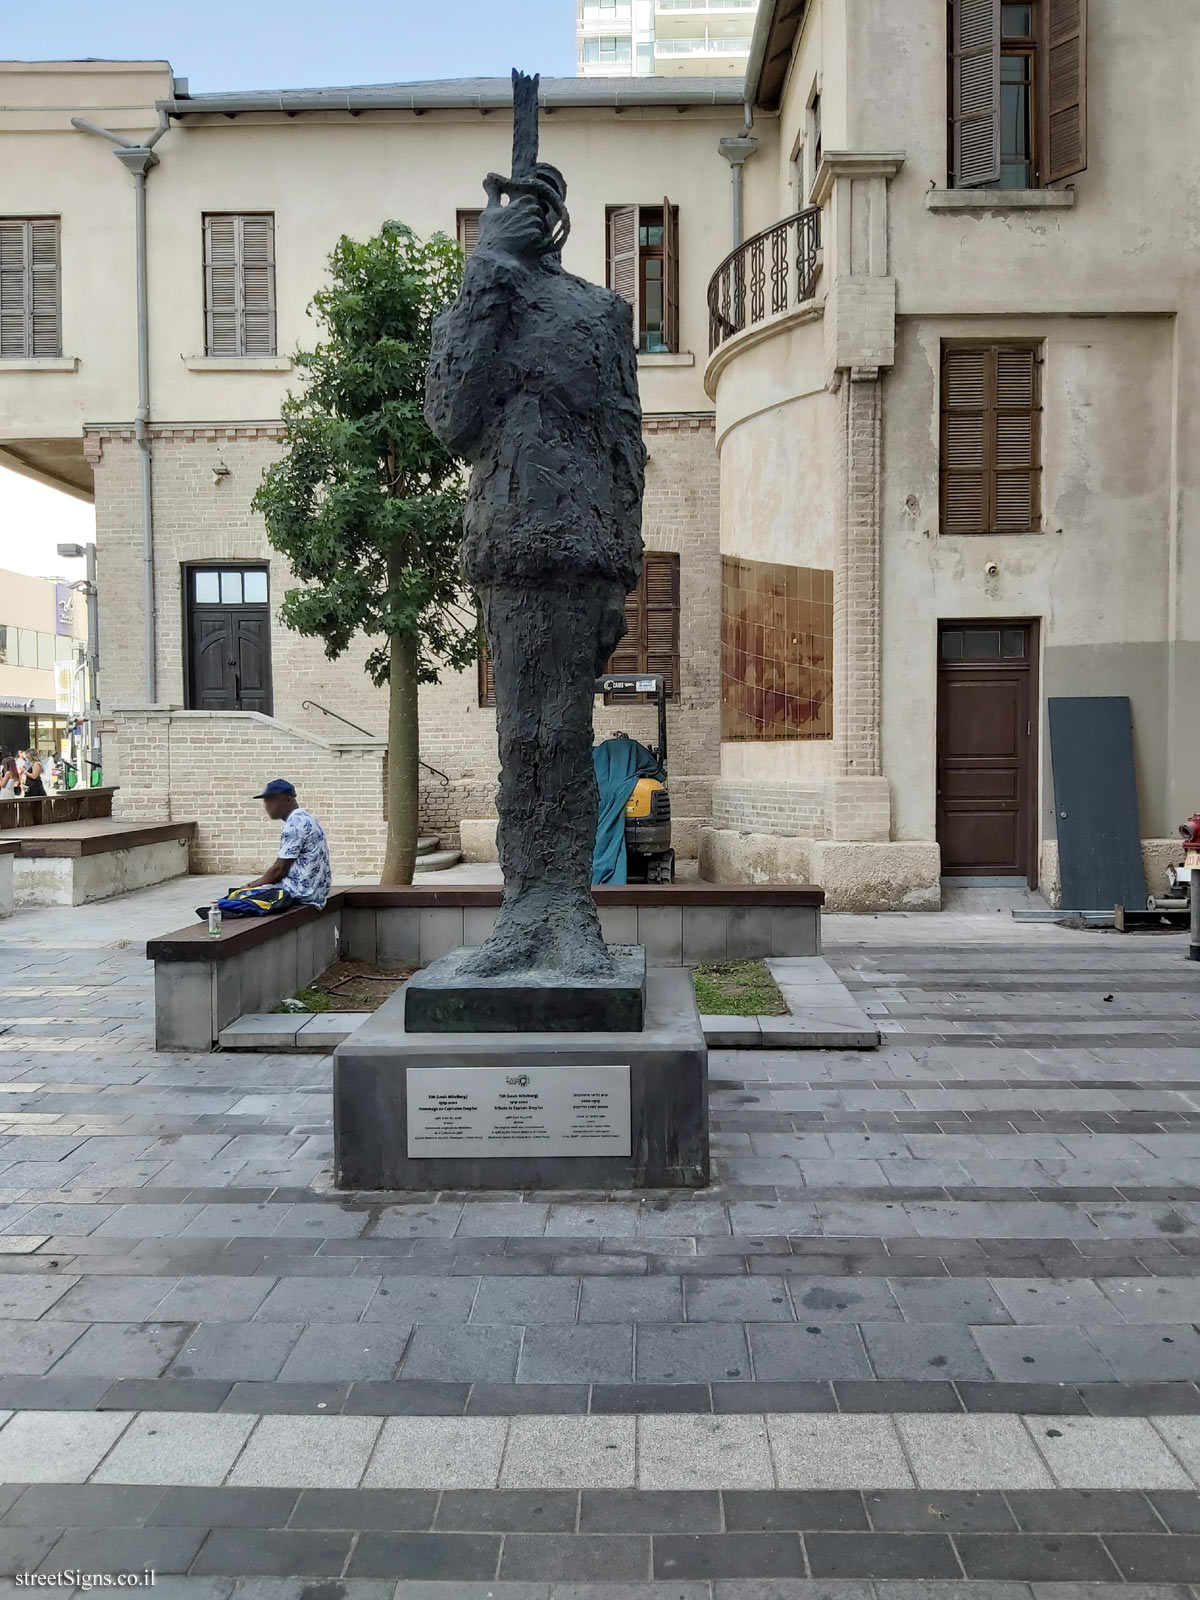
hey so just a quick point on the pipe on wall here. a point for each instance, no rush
(137, 157)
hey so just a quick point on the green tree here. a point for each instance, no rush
(366, 503)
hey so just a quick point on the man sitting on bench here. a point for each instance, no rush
(302, 866)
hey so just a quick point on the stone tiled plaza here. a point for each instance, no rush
(932, 1331)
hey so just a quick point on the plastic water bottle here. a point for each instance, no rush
(214, 921)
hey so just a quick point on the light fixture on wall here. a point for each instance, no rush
(220, 471)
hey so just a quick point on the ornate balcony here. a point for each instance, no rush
(771, 272)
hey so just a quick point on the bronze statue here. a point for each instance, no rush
(533, 378)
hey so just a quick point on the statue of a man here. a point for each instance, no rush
(533, 378)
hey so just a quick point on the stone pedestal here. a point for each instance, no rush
(442, 998)
(621, 1109)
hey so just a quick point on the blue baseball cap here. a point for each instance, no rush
(276, 786)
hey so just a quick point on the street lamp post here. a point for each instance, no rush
(87, 552)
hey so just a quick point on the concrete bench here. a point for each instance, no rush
(201, 984)
(72, 863)
(8, 849)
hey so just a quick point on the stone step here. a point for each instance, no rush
(427, 844)
(438, 860)
(320, 1031)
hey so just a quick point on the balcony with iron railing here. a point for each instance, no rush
(767, 275)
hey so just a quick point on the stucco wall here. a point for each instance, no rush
(1097, 579)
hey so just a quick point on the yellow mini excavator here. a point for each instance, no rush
(649, 856)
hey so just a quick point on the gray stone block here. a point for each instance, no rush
(668, 1064)
(832, 1030)
(443, 998)
(183, 1005)
(397, 936)
(660, 929)
(262, 1032)
(328, 1029)
(229, 999)
(795, 931)
(749, 932)
(440, 931)
(705, 933)
(619, 924)
(732, 1033)
(358, 933)
(326, 939)
(306, 961)
(478, 922)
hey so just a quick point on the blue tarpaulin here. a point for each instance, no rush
(619, 763)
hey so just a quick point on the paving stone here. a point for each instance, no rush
(420, 1298)
(220, 1507)
(1143, 1558)
(1157, 1354)
(595, 1353)
(582, 1556)
(336, 1352)
(305, 1452)
(650, 1511)
(923, 1350)
(441, 1556)
(57, 1446)
(807, 1350)
(123, 1350)
(437, 1453)
(1106, 1453)
(953, 1511)
(961, 1300)
(212, 1298)
(1046, 1355)
(1088, 1511)
(881, 1555)
(244, 1552)
(771, 1510)
(630, 1299)
(703, 1452)
(32, 1348)
(83, 1505)
(29, 1296)
(736, 1300)
(463, 1354)
(521, 1300)
(508, 1511)
(305, 1299)
(564, 1452)
(980, 1452)
(180, 1448)
(1035, 1558)
(236, 1351)
(732, 1555)
(838, 1452)
(844, 1299)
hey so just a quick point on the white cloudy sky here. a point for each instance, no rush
(33, 520)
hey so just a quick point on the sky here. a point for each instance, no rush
(298, 44)
(263, 44)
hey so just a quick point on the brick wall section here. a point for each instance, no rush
(199, 519)
(776, 808)
(204, 766)
(856, 612)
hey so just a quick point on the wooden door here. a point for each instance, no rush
(985, 746)
(229, 640)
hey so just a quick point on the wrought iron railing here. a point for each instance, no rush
(769, 273)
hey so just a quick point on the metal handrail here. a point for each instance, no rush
(769, 273)
(315, 705)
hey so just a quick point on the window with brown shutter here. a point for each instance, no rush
(239, 285)
(643, 268)
(1018, 92)
(651, 642)
(30, 320)
(991, 438)
(468, 231)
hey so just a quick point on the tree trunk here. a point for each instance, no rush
(403, 768)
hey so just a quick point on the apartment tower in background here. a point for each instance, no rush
(617, 38)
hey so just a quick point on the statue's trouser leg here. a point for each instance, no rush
(546, 644)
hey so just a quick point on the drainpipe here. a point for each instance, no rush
(137, 157)
(737, 151)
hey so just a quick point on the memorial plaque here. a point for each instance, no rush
(517, 1111)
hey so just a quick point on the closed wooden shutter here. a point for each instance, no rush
(487, 682)
(239, 285)
(670, 276)
(258, 285)
(468, 231)
(990, 460)
(623, 256)
(30, 323)
(1016, 419)
(1063, 88)
(975, 92)
(651, 643)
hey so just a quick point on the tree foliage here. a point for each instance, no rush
(366, 503)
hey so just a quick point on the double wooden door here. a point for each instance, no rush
(229, 640)
(986, 765)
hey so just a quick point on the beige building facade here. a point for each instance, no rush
(43, 636)
(922, 449)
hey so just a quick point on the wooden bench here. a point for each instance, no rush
(202, 984)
